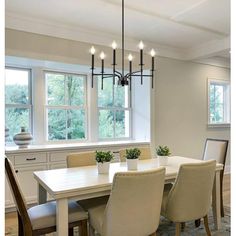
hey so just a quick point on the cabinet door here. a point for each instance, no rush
(27, 182)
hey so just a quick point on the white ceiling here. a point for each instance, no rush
(185, 29)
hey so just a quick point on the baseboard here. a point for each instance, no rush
(227, 170)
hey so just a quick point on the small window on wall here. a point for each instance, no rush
(18, 102)
(113, 110)
(218, 102)
(66, 106)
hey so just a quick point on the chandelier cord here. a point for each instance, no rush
(123, 37)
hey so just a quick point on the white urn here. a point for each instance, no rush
(23, 139)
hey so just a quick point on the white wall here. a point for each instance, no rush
(181, 106)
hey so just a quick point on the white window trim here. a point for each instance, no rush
(66, 107)
(226, 105)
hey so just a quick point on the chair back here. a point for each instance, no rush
(81, 159)
(190, 196)
(134, 204)
(216, 149)
(145, 154)
(17, 193)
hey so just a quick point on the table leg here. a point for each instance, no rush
(42, 195)
(62, 217)
(216, 201)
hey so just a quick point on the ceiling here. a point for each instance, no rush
(186, 29)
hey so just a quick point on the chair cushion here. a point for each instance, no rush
(43, 216)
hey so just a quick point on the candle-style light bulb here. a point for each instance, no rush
(153, 53)
(102, 55)
(130, 57)
(141, 45)
(114, 45)
(92, 50)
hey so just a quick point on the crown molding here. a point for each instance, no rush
(77, 33)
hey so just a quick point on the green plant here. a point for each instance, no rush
(133, 153)
(163, 151)
(102, 156)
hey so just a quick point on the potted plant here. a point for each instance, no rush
(163, 152)
(103, 161)
(132, 156)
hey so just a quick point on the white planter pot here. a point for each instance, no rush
(132, 164)
(163, 160)
(103, 168)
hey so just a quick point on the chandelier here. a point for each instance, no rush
(123, 78)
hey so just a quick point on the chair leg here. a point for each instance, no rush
(221, 194)
(20, 225)
(71, 231)
(197, 223)
(177, 229)
(207, 226)
(83, 230)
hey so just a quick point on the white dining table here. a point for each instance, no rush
(84, 182)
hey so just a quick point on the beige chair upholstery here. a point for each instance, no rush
(133, 207)
(145, 154)
(217, 149)
(190, 197)
(43, 216)
(81, 159)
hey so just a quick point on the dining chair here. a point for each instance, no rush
(190, 197)
(145, 154)
(133, 207)
(81, 159)
(41, 219)
(217, 149)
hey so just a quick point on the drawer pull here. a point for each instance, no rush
(30, 159)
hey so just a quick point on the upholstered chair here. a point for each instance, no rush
(217, 149)
(41, 219)
(145, 154)
(190, 197)
(81, 159)
(133, 207)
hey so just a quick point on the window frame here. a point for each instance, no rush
(66, 107)
(30, 99)
(114, 109)
(226, 102)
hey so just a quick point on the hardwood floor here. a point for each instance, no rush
(11, 218)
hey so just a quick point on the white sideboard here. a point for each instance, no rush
(46, 157)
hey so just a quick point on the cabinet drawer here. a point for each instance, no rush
(58, 156)
(30, 158)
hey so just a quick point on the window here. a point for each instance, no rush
(18, 103)
(66, 106)
(113, 110)
(219, 102)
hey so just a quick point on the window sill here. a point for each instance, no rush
(73, 146)
(219, 125)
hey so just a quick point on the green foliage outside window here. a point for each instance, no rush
(17, 100)
(113, 112)
(66, 106)
(216, 103)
